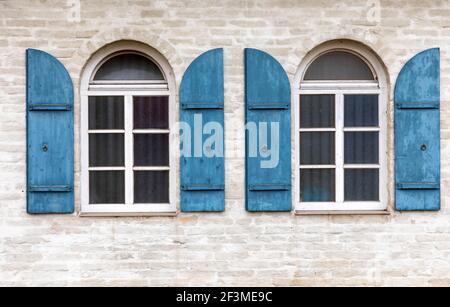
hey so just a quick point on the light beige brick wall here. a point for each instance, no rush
(235, 247)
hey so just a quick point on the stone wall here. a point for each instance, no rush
(232, 248)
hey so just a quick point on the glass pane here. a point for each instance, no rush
(361, 111)
(106, 112)
(317, 148)
(361, 148)
(106, 150)
(151, 112)
(362, 185)
(130, 66)
(151, 187)
(107, 187)
(151, 150)
(339, 65)
(317, 111)
(317, 185)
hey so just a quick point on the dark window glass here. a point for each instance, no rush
(362, 185)
(151, 112)
(106, 150)
(317, 111)
(151, 187)
(106, 112)
(151, 150)
(133, 67)
(107, 187)
(317, 148)
(317, 185)
(361, 148)
(361, 111)
(338, 65)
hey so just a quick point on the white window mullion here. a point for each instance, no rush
(361, 166)
(339, 148)
(324, 166)
(151, 131)
(317, 129)
(118, 131)
(129, 184)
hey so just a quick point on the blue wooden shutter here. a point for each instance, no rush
(417, 134)
(268, 100)
(50, 168)
(202, 94)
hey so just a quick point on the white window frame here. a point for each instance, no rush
(339, 89)
(127, 90)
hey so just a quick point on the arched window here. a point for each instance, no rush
(339, 65)
(341, 131)
(128, 66)
(126, 120)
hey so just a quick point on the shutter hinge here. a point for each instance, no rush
(49, 107)
(269, 187)
(50, 188)
(202, 105)
(417, 105)
(418, 186)
(269, 106)
(203, 187)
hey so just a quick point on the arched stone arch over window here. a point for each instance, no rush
(127, 120)
(341, 99)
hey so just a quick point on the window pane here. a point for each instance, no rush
(106, 112)
(362, 185)
(317, 185)
(361, 148)
(130, 66)
(151, 187)
(317, 148)
(151, 150)
(361, 111)
(107, 187)
(151, 112)
(339, 65)
(106, 150)
(317, 111)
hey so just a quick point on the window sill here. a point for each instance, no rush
(306, 213)
(128, 214)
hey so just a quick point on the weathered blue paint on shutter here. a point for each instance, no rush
(268, 100)
(202, 93)
(417, 134)
(50, 166)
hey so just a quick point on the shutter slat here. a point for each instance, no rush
(50, 165)
(268, 100)
(417, 134)
(202, 94)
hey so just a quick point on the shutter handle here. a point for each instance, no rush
(423, 147)
(45, 148)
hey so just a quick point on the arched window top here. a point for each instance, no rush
(128, 66)
(339, 65)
